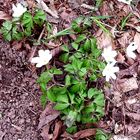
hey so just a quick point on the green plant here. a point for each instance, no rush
(23, 26)
(100, 135)
(98, 3)
(76, 96)
(124, 20)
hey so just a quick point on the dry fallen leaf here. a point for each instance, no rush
(17, 44)
(133, 129)
(135, 116)
(128, 84)
(47, 9)
(122, 137)
(103, 39)
(126, 38)
(120, 58)
(2, 135)
(57, 130)
(4, 16)
(45, 133)
(85, 133)
(47, 116)
(137, 41)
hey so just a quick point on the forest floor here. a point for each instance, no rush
(21, 113)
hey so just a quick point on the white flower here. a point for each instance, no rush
(110, 70)
(130, 50)
(109, 54)
(43, 59)
(18, 10)
(126, 1)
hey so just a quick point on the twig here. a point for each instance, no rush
(88, 7)
(47, 9)
(39, 38)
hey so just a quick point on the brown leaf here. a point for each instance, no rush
(81, 134)
(135, 116)
(4, 16)
(45, 133)
(133, 129)
(2, 135)
(55, 51)
(57, 130)
(120, 58)
(17, 44)
(137, 41)
(126, 38)
(47, 9)
(85, 133)
(103, 39)
(47, 116)
(128, 84)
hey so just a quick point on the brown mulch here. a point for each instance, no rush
(19, 96)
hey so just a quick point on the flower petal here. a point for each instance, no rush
(38, 65)
(41, 53)
(113, 76)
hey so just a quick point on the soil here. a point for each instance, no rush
(19, 96)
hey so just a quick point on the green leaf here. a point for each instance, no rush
(71, 96)
(74, 88)
(51, 96)
(80, 38)
(89, 109)
(99, 100)
(71, 118)
(76, 64)
(43, 99)
(76, 24)
(101, 65)
(100, 24)
(27, 31)
(61, 106)
(7, 36)
(64, 57)
(95, 51)
(67, 80)
(87, 22)
(82, 72)
(93, 92)
(100, 135)
(39, 17)
(61, 33)
(7, 25)
(78, 55)
(124, 20)
(69, 68)
(45, 77)
(93, 77)
(72, 129)
(55, 71)
(16, 35)
(27, 20)
(100, 110)
(62, 98)
(87, 45)
(75, 45)
(65, 48)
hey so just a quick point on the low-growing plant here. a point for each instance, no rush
(76, 96)
(25, 26)
(100, 135)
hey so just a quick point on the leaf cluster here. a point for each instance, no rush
(24, 26)
(75, 98)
